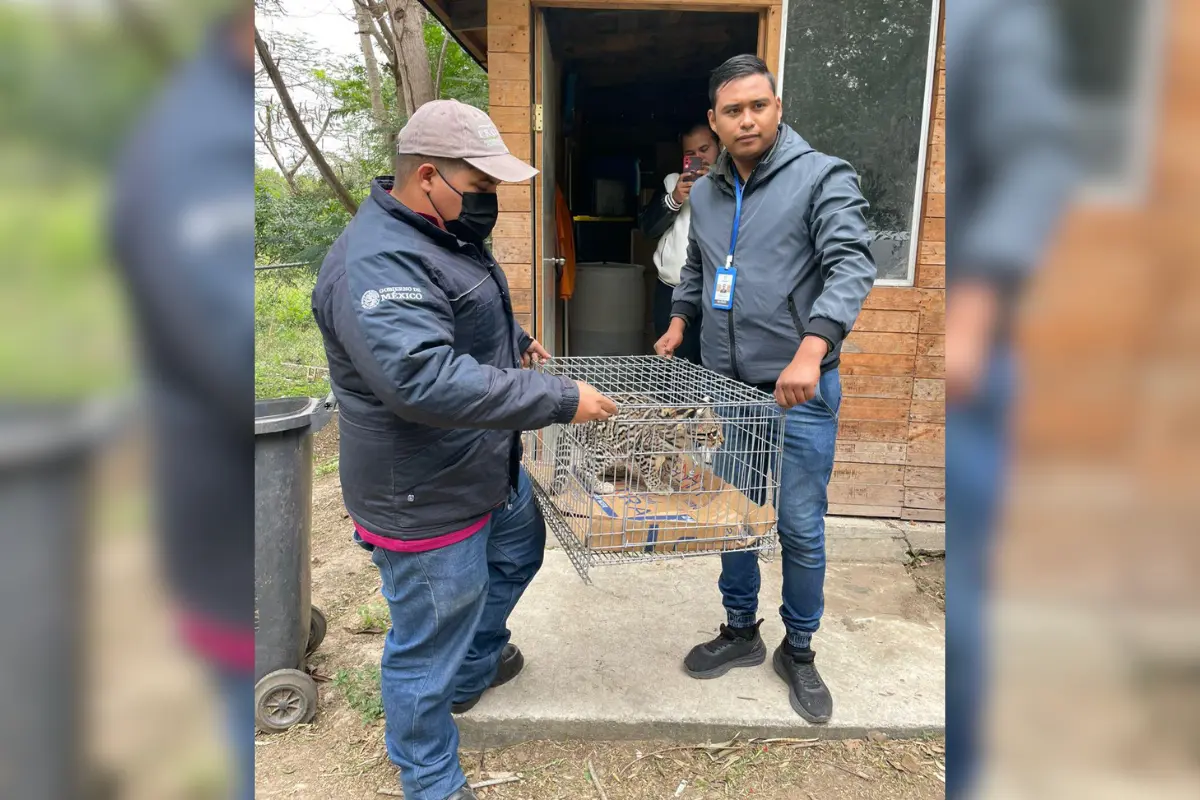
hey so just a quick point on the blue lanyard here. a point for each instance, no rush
(737, 218)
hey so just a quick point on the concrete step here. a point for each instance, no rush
(604, 661)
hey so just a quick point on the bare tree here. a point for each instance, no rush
(371, 65)
(376, 18)
(408, 25)
(437, 81)
(298, 126)
(398, 27)
(273, 131)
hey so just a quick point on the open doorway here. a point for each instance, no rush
(616, 90)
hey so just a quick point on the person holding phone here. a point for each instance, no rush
(668, 218)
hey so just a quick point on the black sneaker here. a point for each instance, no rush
(511, 664)
(735, 647)
(808, 694)
(464, 793)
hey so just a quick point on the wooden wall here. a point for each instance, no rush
(891, 443)
(891, 460)
(510, 52)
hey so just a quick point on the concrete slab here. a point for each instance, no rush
(861, 540)
(925, 538)
(604, 661)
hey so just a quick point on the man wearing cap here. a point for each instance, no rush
(425, 359)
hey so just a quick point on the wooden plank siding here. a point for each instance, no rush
(510, 57)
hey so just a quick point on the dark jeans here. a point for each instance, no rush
(976, 460)
(690, 349)
(449, 610)
(809, 445)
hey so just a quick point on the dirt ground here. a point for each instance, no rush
(929, 573)
(341, 756)
(312, 763)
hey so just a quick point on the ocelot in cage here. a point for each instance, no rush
(649, 438)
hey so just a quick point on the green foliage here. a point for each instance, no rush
(75, 82)
(362, 692)
(462, 78)
(289, 357)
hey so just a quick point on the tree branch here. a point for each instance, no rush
(437, 84)
(375, 21)
(285, 99)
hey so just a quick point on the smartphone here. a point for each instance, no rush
(693, 164)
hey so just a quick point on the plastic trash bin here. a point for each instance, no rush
(48, 455)
(287, 629)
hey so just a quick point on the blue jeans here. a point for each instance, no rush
(449, 610)
(976, 461)
(809, 443)
(237, 690)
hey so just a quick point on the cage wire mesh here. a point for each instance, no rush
(689, 465)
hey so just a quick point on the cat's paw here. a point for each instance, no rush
(604, 487)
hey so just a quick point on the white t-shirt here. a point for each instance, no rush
(671, 252)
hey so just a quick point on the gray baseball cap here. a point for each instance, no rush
(450, 129)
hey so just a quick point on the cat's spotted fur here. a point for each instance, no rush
(643, 436)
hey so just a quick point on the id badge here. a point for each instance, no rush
(723, 290)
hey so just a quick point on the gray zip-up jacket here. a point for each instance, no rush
(1011, 161)
(424, 358)
(803, 260)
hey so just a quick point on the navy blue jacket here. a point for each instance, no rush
(424, 358)
(183, 235)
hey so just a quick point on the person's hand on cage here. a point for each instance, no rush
(534, 355)
(593, 405)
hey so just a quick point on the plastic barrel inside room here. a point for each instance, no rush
(608, 312)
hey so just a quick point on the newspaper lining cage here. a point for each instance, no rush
(688, 466)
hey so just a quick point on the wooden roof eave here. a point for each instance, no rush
(474, 15)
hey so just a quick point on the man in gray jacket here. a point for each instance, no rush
(778, 259)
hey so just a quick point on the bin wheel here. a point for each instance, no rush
(317, 626)
(284, 698)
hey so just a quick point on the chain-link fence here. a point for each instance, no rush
(289, 359)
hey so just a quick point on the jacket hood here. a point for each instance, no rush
(788, 146)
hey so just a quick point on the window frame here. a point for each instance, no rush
(926, 123)
(1131, 186)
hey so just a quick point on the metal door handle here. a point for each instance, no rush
(556, 262)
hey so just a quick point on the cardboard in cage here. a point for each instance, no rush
(706, 514)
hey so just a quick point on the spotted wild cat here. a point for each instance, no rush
(644, 437)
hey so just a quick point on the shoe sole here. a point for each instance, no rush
(751, 659)
(781, 671)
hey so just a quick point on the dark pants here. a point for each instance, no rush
(809, 445)
(690, 349)
(976, 460)
(449, 610)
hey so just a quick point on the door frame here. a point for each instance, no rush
(770, 43)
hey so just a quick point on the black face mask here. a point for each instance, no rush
(477, 218)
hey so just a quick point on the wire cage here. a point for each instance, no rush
(688, 466)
